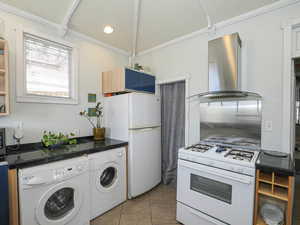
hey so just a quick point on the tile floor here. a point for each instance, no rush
(157, 207)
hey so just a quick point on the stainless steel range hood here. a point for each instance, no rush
(224, 69)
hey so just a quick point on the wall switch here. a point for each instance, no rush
(268, 125)
(76, 132)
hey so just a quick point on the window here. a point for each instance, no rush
(47, 70)
(47, 67)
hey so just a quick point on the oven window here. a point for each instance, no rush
(211, 188)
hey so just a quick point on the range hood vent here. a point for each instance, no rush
(228, 96)
(224, 70)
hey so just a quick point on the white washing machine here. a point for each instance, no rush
(107, 180)
(55, 194)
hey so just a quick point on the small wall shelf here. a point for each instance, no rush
(4, 79)
(274, 186)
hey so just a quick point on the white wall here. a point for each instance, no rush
(262, 39)
(93, 59)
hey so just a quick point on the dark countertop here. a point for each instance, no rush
(281, 165)
(34, 154)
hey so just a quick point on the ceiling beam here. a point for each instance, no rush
(209, 22)
(68, 16)
(136, 22)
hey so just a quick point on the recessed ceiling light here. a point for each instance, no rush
(108, 29)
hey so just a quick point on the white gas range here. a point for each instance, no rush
(216, 183)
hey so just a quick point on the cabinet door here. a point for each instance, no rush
(138, 81)
(296, 43)
(107, 82)
(118, 80)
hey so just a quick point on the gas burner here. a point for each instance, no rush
(200, 148)
(240, 155)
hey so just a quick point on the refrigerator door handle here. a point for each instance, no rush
(143, 129)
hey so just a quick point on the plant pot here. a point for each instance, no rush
(99, 134)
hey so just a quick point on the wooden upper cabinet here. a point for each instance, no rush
(127, 80)
(118, 80)
(107, 82)
(113, 81)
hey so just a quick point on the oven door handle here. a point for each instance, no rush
(237, 179)
(206, 217)
(240, 180)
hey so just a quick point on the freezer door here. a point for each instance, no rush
(116, 117)
(144, 160)
(144, 110)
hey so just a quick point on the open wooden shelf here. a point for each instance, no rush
(2, 44)
(265, 177)
(274, 192)
(4, 114)
(260, 221)
(4, 78)
(281, 181)
(273, 186)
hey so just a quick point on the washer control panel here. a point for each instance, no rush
(69, 171)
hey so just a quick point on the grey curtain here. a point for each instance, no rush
(173, 124)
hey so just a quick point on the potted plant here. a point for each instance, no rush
(52, 140)
(98, 130)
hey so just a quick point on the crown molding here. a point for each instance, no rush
(26, 15)
(18, 12)
(246, 16)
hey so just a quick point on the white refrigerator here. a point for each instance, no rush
(136, 118)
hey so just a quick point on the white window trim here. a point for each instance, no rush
(21, 94)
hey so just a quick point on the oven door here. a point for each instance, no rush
(222, 194)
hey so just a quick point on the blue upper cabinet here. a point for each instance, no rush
(138, 81)
(127, 80)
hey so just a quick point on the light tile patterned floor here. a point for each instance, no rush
(157, 207)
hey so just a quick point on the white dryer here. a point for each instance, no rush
(55, 194)
(107, 180)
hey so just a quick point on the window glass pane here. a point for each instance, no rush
(47, 67)
(211, 188)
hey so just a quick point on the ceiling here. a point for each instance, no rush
(158, 23)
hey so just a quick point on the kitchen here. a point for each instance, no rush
(269, 36)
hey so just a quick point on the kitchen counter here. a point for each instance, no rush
(34, 154)
(281, 165)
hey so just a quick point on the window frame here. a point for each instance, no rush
(22, 95)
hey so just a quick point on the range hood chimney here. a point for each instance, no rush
(224, 69)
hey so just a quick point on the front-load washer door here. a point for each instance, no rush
(107, 177)
(59, 205)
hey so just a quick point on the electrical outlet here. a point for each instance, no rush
(76, 132)
(268, 125)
